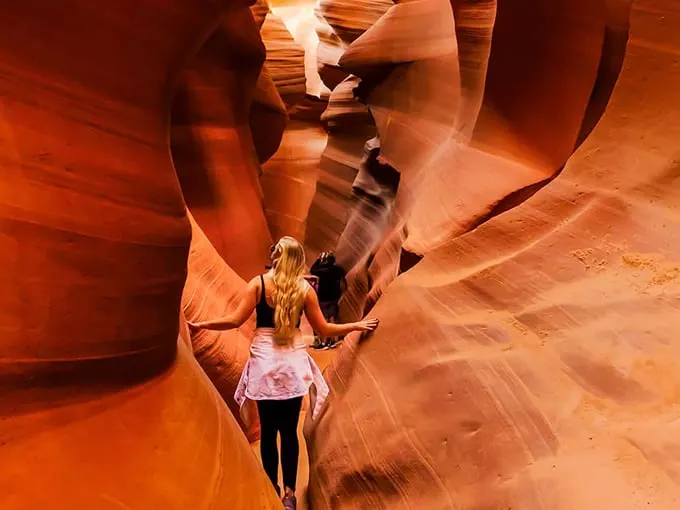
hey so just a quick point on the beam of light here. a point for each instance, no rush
(301, 22)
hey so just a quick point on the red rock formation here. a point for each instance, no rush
(349, 126)
(374, 227)
(216, 160)
(345, 20)
(100, 405)
(268, 117)
(225, 97)
(481, 126)
(530, 363)
(212, 290)
(289, 177)
(285, 60)
(268, 112)
(509, 142)
(259, 9)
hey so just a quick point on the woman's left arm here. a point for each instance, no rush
(237, 317)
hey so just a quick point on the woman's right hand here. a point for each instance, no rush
(368, 325)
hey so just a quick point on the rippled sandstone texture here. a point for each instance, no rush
(212, 148)
(213, 289)
(225, 96)
(530, 362)
(268, 111)
(349, 126)
(285, 59)
(289, 177)
(102, 405)
(476, 126)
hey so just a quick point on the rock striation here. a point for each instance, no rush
(216, 160)
(102, 404)
(527, 360)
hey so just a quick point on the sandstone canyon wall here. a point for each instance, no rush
(102, 405)
(494, 98)
(525, 149)
(349, 126)
(529, 359)
(212, 148)
(289, 177)
(353, 209)
(212, 290)
(224, 97)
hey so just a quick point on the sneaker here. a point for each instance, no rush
(289, 502)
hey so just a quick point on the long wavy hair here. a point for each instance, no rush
(288, 263)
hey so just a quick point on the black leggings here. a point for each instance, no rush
(280, 416)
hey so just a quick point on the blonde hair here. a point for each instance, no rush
(288, 263)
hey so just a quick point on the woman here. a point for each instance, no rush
(279, 371)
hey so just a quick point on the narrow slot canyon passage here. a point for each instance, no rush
(497, 179)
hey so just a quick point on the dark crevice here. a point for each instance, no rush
(408, 260)
(613, 54)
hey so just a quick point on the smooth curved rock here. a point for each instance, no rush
(445, 119)
(349, 126)
(268, 112)
(290, 174)
(301, 22)
(285, 60)
(289, 178)
(374, 226)
(212, 148)
(259, 9)
(530, 363)
(502, 144)
(349, 213)
(268, 116)
(101, 404)
(342, 21)
(212, 290)
(347, 121)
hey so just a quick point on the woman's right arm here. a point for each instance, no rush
(326, 329)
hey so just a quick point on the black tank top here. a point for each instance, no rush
(265, 313)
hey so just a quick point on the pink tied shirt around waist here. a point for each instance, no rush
(279, 372)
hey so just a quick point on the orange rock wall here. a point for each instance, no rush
(268, 116)
(349, 126)
(530, 362)
(101, 403)
(289, 176)
(227, 117)
(285, 59)
(212, 148)
(212, 290)
(485, 118)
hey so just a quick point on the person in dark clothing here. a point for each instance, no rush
(331, 285)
